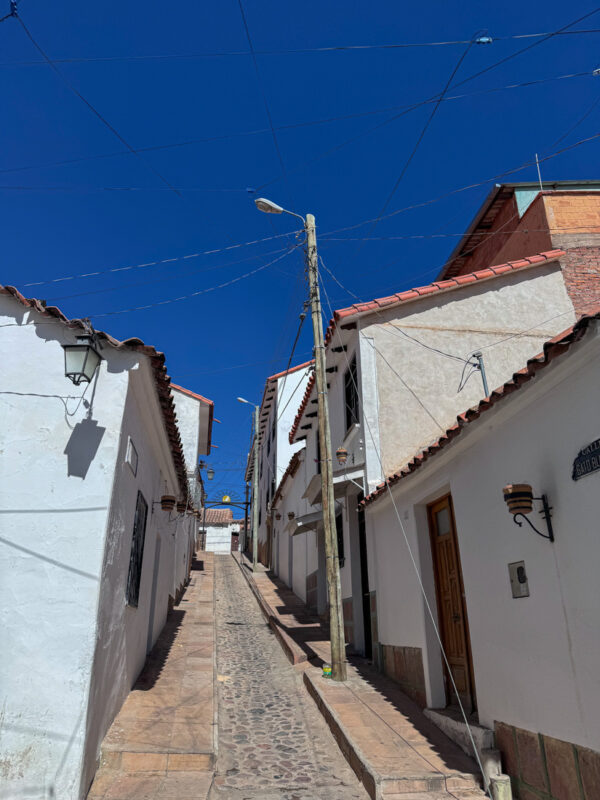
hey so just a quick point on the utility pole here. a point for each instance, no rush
(255, 498)
(336, 620)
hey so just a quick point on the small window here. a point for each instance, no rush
(351, 394)
(132, 457)
(339, 528)
(137, 551)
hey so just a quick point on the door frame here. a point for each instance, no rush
(472, 705)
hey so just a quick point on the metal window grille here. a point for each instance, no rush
(137, 551)
(351, 394)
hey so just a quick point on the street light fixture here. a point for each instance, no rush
(334, 589)
(81, 359)
(210, 473)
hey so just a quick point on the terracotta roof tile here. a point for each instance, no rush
(218, 516)
(552, 349)
(157, 360)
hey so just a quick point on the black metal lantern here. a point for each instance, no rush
(81, 359)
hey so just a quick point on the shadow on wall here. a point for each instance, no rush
(82, 447)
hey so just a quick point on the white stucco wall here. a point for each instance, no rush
(218, 538)
(51, 546)
(71, 646)
(458, 322)
(125, 635)
(536, 659)
(188, 424)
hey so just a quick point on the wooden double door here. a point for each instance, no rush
(452, 610)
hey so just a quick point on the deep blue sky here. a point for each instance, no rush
(77, 226)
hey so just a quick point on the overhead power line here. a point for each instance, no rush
(295, 125)
(419, 139)
(289, 51)
(161, 261)
(94, 110)
(435, 97)
(445, 195)
(197, 293)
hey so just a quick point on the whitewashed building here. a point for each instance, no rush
(89, 561)
(278, 407)
(221, 531)
(518, 614)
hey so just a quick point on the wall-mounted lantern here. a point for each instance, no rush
(519, 499)
(81, 359)
(210, 473)
(342, 456)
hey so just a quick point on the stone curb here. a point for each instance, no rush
(368, 776)
(294, 653)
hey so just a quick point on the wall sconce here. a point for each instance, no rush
(519, 499)
(342, 456)
(81, 359)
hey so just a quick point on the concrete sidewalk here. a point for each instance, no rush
(162, 743)
(391, 745)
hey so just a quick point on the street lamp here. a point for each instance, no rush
(81, 359)
(254, 471)
(210, 473)
(336, 619)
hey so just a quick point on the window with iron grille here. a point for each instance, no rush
(137, 551)
(351, 394)
(339, 528)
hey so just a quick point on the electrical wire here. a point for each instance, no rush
(262, 90)
(197, 293)
(94, 110)
(295, 125)
(434, 98)
(418, 142)
(452, 192)
(162, 260)
(168, 279)
(295, 51)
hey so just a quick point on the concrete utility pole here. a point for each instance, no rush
(336, 619)
(255, 498)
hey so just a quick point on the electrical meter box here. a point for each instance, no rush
(518, 579)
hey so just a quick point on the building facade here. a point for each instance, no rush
(89, 561)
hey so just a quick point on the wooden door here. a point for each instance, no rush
(452, 610)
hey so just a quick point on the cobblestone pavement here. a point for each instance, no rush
(273, 742)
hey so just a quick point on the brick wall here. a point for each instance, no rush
(405, 666)
(544, 768)
(581, 270)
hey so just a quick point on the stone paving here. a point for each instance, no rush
(161, 744)
(273, 742)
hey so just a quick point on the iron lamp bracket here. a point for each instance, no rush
(545, 514)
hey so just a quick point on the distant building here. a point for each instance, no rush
(220, 530)
(89, 560)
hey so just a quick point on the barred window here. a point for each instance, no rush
(137, 551)
(351, 394)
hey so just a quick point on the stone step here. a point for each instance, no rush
(434, 782)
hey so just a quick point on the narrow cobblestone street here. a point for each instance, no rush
(273, 742)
